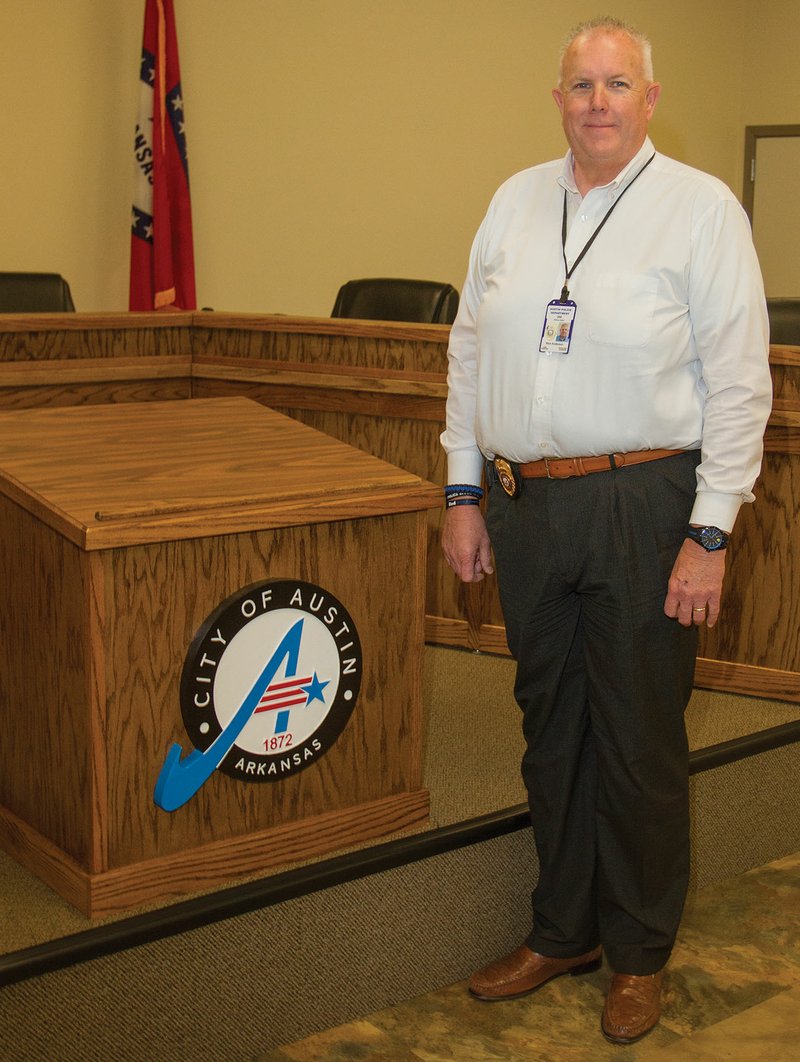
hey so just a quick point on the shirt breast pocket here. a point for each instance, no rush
(622, 310)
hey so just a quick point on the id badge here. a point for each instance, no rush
(559, 318)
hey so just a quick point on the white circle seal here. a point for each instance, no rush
(277, 665)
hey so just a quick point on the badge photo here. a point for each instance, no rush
(559, 319)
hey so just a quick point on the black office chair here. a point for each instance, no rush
(391, 299)
(34, 293)
(784, 321)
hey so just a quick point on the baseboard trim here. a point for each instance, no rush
(741, 748)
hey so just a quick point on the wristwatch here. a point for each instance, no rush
(710, 538)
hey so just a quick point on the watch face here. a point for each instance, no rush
(712, 538)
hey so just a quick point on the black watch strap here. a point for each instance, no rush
(710, 538)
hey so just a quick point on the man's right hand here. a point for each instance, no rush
(465, 542)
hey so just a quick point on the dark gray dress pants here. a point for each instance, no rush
(603, 679)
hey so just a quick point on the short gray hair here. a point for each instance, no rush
(604, 24)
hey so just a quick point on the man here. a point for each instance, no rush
(617, 459)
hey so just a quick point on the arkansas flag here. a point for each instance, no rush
(162, 254)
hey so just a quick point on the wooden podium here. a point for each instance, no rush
(124, 530)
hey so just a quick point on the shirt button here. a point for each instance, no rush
(583, 217)
(542, 446)
(540, 399)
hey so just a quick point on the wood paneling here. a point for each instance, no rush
(90, 381)
(200, 500)
(759, 621)
(323, 341)
(46, 749)
(157, 598)
(48, 336)
(95, 394)
(332, 400)
(381, 387)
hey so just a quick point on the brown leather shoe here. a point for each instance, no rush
(633, 1007)
(524, 971)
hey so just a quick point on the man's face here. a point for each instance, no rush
(605, 102)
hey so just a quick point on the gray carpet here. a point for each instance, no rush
(232, 990)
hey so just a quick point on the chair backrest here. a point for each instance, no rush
(34, 293)
(784, 321)
(393, 299)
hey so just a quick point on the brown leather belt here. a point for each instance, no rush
(566, 467)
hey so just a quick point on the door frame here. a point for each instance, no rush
(752, 134)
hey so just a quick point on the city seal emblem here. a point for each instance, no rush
(268, 685)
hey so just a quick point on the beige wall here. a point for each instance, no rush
(769, 77)
(330, 139)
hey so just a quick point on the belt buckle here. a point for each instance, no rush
(547, 466)
(507, 477)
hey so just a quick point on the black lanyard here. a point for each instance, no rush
(568, 272)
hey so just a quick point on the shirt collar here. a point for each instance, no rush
(567, 177)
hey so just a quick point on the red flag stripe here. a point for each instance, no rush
(287, 702)
(162, 249)
(285, 685)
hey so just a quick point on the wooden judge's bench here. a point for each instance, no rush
(130, 511)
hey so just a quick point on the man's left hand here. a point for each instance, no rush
(695, 585)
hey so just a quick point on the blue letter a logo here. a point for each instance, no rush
(180, 779)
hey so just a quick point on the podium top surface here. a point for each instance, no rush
(117, 475)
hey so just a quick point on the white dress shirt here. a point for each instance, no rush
(670, 340)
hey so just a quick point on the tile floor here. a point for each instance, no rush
(732, 992)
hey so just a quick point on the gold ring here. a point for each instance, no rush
(702, 608)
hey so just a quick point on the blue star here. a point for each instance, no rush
(314, 690)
